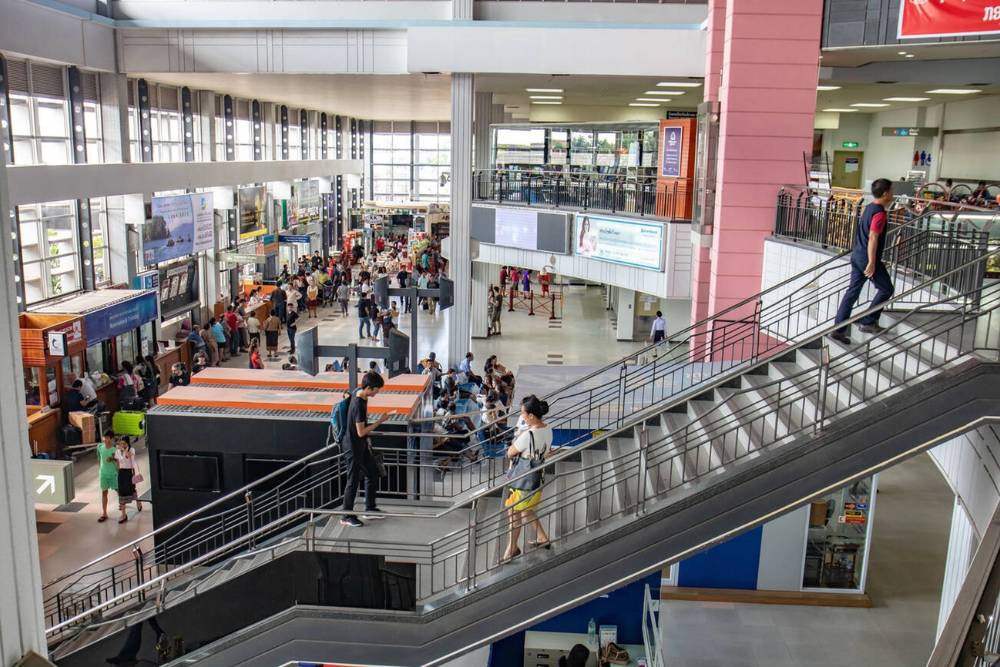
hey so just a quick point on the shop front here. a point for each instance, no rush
(118, 325)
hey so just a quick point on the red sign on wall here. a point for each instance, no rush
(948, 18)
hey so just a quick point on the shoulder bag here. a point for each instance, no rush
(524, 465)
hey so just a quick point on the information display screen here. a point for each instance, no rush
(517, 228)
(189, 472)
(619, 240)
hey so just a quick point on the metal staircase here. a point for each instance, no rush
(679, 446)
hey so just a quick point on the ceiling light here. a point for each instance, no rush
(827, 87)
(679, 84)
(546, 97)
(546, 102)
(841, 110)
(910, 55)
(902, 53)
(659, 92)
(544, 90)
(870, 105)
(642, 104)
(906, 99)
(652, 99)
(951, 91)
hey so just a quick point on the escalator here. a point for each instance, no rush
(756, 414)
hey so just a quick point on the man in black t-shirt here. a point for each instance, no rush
(364, 316)
(403, 278)
(357, 451)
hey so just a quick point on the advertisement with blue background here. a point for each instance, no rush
(180, 225)
(119, 318)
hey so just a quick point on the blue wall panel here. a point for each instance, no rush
(732, 564)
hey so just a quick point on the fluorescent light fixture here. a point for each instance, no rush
(659, 92)
(870, 105)
(652, 99)
(952, 91)
(841, 110)
(544, 90)
(546, 102)
(902, 53)
(910, 55)
(679, 84)
(642, 104)
(906, 99)
(827, 87)
(546, 97)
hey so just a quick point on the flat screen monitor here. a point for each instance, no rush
(189, 472)
(517, 228)
(402, 220)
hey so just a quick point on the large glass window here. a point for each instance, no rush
(294, 136)
(606, 149)
(99, 238)
(39, 114)
(558, 146)
(520, 146)
(392, 161)
(839, 525)
(582, 148)
(49, 249)
(244, 131)
(432, 161)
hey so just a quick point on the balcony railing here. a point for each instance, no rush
(628, 195)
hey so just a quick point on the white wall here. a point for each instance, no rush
(971, 156)
(782, 552)
(889, 157)
(30, 30)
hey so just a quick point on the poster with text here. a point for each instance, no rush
(169, 233)
(672, 140)
(253, 212)
(204, 221)
(948, 18)
(618, 240)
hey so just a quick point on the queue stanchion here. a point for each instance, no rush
(552, 312)
(531, 303)
(510, 304)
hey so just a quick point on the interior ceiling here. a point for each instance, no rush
(875, 93)
(855, 56)
(421, 96)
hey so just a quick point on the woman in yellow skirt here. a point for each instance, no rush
(535, 442)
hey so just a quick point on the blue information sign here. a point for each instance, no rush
(118, 318)
(673, 137)
(294, 238)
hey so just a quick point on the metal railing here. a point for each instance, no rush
(607, 400)
(587, 499)
(651, 636)
(638, 195)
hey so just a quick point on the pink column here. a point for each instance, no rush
(701, 264)
(768, 100)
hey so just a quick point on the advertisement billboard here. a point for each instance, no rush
(517, 228)
(180, 225)
(948, 18)
(619, 240)
(253, 212)
(673, 140)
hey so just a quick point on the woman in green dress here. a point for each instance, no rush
(108, 471)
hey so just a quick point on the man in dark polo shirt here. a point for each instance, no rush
(357, 450)
(866, 263)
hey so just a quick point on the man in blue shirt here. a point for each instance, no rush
(195, 337)
(220, 337)
(466, 367)
(866, 263)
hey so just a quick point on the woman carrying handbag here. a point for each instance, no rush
(128, 477)
(527, 454)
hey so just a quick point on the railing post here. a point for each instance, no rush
(821, 390)
(510, 303)
(531, 303)
(552, 314)
(622, 380)
(640, 492)
(137, 559)
(470, 560)
(248, 498)
(310, 534)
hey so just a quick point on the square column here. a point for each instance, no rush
(768, 101)
(22, 626)
(460, 260)
(481, 274)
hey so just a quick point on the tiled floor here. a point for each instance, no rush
(904, 580)
(70, 537)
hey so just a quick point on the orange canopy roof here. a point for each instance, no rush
(274, 399)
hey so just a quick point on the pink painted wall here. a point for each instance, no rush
(767, 94)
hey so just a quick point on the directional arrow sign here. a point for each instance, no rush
(53, 481)
(48, 484)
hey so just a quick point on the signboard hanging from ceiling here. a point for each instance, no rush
(948, 18)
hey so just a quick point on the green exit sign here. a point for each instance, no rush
(850, 144)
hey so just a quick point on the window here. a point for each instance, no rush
(39, 114)
(244, 130)
(392, 161)
(432, 161)
(520, 146)
(49, 249)
(582, 148)
(294, 136)
(558, 146)
(99, 239)
(92, 126)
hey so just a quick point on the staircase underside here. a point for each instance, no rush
(535, 587)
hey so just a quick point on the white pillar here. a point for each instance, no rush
(962, 544)
(481, 275)
(22, 627)
(625, 314)
(460, 264)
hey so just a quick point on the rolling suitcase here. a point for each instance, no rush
(129, 423)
